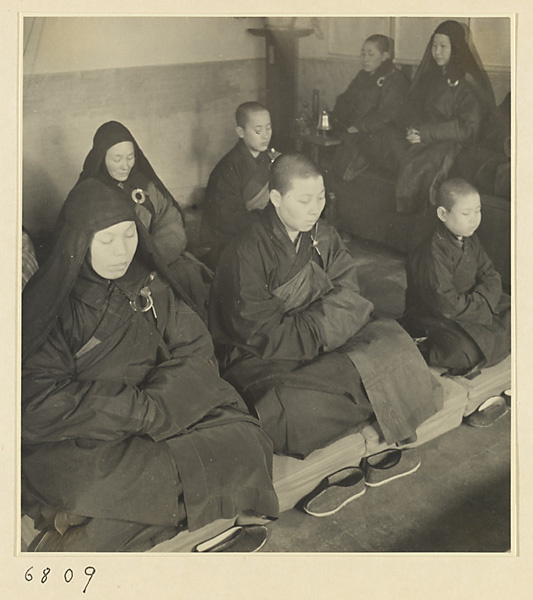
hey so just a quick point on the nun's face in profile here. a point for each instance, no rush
(113, 248)
(372, 57)
(119, 160)
(441, 49)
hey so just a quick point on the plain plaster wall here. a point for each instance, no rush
(61, 44)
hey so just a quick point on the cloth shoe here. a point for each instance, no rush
(249, 538)
(335, 491)
(389, 465)
(487, 413)
(507, 395)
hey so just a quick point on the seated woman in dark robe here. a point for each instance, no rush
(367, 109)
(454, 294)
(116, 159)
(296, 337)
(449, 103)
(128, 433)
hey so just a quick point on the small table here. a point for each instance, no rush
(316, 141)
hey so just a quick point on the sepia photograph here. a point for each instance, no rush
(266, 270)
(265, 289)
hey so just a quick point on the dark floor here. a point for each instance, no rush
(459, 499)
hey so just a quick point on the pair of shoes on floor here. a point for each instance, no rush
(248, 538)
(338, 489)
(488, 412)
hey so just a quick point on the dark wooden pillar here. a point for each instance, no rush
(281, 80)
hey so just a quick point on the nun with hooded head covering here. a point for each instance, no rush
(128, 433)
(450, 102)
(117, 160)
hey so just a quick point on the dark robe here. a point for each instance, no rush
(487, 164)
(237, 187)
(455, 297)
(449, 118)
(124, 415)
(299, 342)
(372, 103)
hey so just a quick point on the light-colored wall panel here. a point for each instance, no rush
(346, 35)
(340, 36)
(492, 39)
(61, 44)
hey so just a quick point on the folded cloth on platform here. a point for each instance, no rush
(335, 491)
(389, 465)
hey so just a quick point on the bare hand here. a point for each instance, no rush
(413, 136)
(273, 154)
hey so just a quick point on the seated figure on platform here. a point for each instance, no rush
(129, 435)
(450, 104)
(296, 337)
(367, 109)
(454, 294)
(238, 185)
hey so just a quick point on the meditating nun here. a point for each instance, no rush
(296, 337)
(368, 108)
(450, 102)
(129, 435)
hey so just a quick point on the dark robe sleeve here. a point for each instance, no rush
(254, 318)
(224, 195)
(489, 283)
(186, 385)
(432, 273)
(345, 104)
(176, 394)
(56, 406)
(389, 107)
(463, 125)
(167, 228)
(341, 312)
